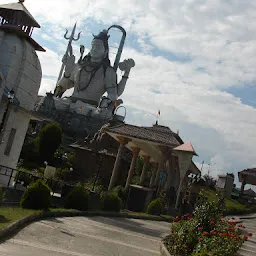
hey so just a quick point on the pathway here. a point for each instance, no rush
(249, 247)
(81, 236)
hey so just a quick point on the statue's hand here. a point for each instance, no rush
(126, 65)
(69, 62)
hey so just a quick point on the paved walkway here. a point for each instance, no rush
(81, 236)
(249, 247)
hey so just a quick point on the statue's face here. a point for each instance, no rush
(98, 50)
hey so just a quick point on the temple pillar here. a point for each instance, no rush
(242, 186)
(159, 169)
(151, 185)
(170, 174)
(136, 152)
(122, 142)
(144, 169)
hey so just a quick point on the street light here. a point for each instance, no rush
(10, 101)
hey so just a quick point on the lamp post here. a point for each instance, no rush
(10, 101)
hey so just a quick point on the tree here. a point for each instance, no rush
(210, 181)
(49, 140)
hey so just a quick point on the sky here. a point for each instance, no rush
(195, 61)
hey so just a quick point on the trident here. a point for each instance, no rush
(69, 50)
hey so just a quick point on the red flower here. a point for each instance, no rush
(201, 239)
(222, 234)
(250, 234)
(205, 233)
(235, 254)
(212, 223)
(172, 230)
(245, 238)
(212, 232)
(200, 228)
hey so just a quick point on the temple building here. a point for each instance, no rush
(20, 78)
(163, 152)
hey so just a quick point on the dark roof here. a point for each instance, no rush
(248, 175)
(250, 192)
(157, 134)
(21, 11)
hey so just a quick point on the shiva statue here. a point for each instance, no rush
(91, 77)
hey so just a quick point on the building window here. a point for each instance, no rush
(10, 142)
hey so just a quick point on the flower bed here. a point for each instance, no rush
(205, 233)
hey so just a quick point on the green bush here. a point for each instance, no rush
(205, 233)
(49, 140)
(36, 196)
(155, 207)
(122, 193)
(77, 198)
(111, 202)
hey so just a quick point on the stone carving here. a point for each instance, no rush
(92, 77)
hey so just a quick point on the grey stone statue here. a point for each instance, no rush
(92, 76)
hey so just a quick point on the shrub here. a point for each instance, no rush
(121, 192)
(155, 207)
(204, 234)
(111, 202)
(209, 211)
(49, 140)
(182, 239)
(77, 198)
(36, 196)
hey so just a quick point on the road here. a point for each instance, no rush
(249, 247)
(82, 236)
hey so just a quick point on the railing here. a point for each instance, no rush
(19, 180)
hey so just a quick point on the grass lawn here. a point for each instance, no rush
(231, 204)
(9, 215)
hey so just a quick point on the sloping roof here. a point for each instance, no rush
(162, 135)
(250, 192)
(194, 169)
(249, 175)
(187, 147)
(21, 11)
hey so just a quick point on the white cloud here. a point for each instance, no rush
(219, 38)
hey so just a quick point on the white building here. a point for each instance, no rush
(225, 184)
(20, 77)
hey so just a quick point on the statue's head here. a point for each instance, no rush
(99, 49)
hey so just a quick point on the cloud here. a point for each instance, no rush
(216, 38)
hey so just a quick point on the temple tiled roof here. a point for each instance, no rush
(23, 14)
(158, 134)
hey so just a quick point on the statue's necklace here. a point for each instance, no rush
(91, 72)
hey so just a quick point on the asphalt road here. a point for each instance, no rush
(81, 236)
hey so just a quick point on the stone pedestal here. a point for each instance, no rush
(139, 198)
